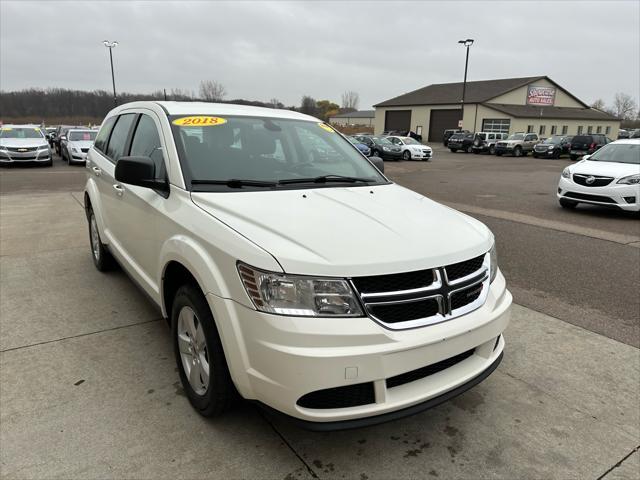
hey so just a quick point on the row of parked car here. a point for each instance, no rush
(391, 147)
(521, 144)
(34, 144)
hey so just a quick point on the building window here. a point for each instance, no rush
(607, 130)
(565, 129)
(590, 129)
(554, 129)
(496, 125)
(599, 129)
(580, 127)
(529, 128)
(542, 129)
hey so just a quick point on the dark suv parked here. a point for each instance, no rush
(461, 141)
(587, 144)
(449, 132)
(552, 147)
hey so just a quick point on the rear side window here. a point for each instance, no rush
(103, 134)
(119, 136)
(146, 143)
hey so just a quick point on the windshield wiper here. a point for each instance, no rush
(325, 179)
(235, 183)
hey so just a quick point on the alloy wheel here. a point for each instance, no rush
(194, 352)
(95, 237)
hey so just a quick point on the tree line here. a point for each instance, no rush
(624, 107)
(61, 105)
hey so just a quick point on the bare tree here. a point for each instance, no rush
(275, 103)
(624, 106)
(212, 91)
(350, 100)
(598, 104)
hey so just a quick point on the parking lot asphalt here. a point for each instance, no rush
(88, 387)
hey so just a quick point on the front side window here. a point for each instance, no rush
(103, 134)
(268, 150)
(116, 146)
(20, 132)
(146, 143)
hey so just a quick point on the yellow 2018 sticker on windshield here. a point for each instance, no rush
(199, 121)
(326, 127)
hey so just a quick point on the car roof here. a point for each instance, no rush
(207, 108)
(20, 125)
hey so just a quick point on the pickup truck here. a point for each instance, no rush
(517, 144)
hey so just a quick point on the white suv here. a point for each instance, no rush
(266, 259)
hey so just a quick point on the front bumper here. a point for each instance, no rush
(277, 360)
(78, 157)
(25, 157)
(617, 194)
(504, 149)
(421, 155)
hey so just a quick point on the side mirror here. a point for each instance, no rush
(63, 137)
(140, 171)
(378, 163)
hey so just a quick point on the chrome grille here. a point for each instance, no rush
(413, 299)
(591, 180)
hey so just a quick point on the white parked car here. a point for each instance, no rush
(24, 144)
(75, 144)
(267, 261)
(411, 148)
(609, 177)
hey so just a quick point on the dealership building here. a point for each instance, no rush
(508, 105)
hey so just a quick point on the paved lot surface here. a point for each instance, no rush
(88, 387)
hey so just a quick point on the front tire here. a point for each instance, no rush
(469, 149)
(406, 155)
(202, 365)
(102, 258)
(568, 204)
(517, 152)
(573, 157)
(492, 150)
(453, 150)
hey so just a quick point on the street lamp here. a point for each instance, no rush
(467, 43)
(111, 46)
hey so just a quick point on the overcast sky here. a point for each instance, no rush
(261, 50)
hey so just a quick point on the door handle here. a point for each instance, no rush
(118, 188)
(97, 171)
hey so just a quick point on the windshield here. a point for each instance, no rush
(88, 135)
(552, 140)
(410, 141)
(20, 132)
(618, 152)
(265, 150)
(354, 140)
(381, 140)
(516, 136)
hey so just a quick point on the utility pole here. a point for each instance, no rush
(111, 46)
(467, 43)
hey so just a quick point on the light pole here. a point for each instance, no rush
(111, 46)
(467, 43)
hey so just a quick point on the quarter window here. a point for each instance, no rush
(103, 135)
(146, 143)
(119, 136)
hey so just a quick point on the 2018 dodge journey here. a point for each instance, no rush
(292, 271)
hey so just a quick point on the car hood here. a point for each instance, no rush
(608, 169)
(350, 231)
(81, 143)
(22, 142)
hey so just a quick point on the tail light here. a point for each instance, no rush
(592, 146)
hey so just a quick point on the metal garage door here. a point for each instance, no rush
(397, 120)
(442, 120)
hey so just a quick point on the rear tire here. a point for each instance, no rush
(568, 204)
(102, 258)
(198, 349)
(453, 150)
(492, 150)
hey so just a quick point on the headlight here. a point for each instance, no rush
(2, 147)
(386, 149)
(299, 295)
(43, 147)
(550, 147)
(493, 259)
(74, 149)
(566, 173)
(630, 180)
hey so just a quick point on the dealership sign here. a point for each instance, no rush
(541, 95)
